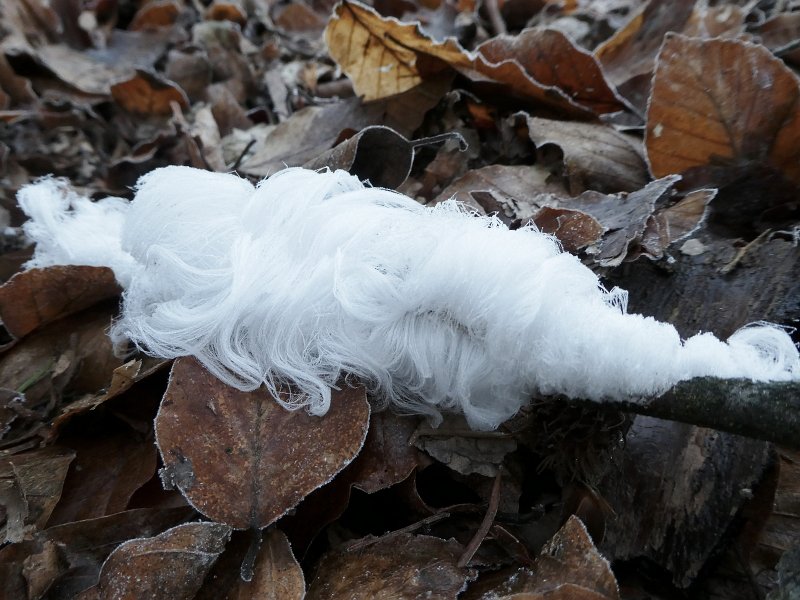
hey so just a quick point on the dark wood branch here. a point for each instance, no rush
(765, 411)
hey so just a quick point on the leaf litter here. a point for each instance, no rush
(627, 130)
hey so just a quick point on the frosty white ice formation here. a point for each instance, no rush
(311, 275)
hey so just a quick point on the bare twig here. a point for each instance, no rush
(765, 411)
(486, 524)
(495, 18)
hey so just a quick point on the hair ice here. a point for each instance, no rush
(311, 276)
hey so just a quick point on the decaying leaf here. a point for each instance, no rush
(36, 297)
(388, 457)
(376, 154)
(169, 565)
(722, 104)
(30, 488)
(453, 445)
(396, 566)
(515, 191)
(148, 94)
(107, 471)
(384, 57)
(276, 575)
(575, 229)
(596, 157)
(552, 59)
(242, 459)
(316, 129)
(81, 549)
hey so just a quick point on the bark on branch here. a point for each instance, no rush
(765, 411)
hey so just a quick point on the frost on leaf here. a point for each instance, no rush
(241, 458)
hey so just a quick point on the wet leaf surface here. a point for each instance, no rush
(242, 459)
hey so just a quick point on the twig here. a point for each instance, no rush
(495, 18)
(743, 252)
(764, 411)
(486, 524)
(368, 541)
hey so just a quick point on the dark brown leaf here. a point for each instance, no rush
(242, 459)
(517, 191)
(779, 34)
(107, 471)
(36, 479)
(387, 457)
(170, 565)
(82, 547)
(277, 574)
(575, 229)
(315, 129)
(397, 567)
(36, 297)
(158, 13)
(550, 58)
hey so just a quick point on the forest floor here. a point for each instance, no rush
(659, 141)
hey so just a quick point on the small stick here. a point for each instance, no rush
(488, 519)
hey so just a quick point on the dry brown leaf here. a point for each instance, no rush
(93, 72)
(221, 10)
(37, 479)
(82, 548)
(396, 567)
(169, 565)
(575, 229)
(552, 59)
(108, 469)
(276, 573)
(383, 57)
(242, 459)
(722, 104)
(451, 445)
(517, 191)
(632, 50)
(148, 94)
(36, 297)
(157, 13)
(74, 353)
(315, 129)
(624, 216)
(387, 457)
(596, 157)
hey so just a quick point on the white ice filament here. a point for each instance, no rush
(311, 276)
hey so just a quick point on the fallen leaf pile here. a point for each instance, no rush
(659, 141)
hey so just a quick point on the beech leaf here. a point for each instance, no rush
(241, 458)
(722, 103)
(169, 565)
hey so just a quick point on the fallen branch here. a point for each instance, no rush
(765, 411)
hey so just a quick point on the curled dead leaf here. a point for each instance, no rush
(377, 154)
(596, 157)
(242, 459)
(383, 57)
(36, 297)
(553, 60)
